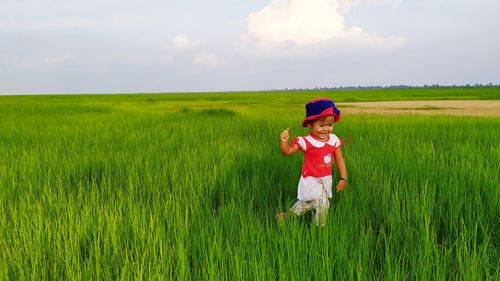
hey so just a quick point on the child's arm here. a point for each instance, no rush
(341, 168)
(287, 149)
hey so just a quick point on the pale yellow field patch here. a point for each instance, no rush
(489, 108)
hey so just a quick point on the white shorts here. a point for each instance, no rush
(318, 198)
(312, 188)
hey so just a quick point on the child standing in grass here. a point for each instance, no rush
(320, 148)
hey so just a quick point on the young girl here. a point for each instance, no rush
(320, 147)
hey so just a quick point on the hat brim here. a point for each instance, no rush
(326, 112)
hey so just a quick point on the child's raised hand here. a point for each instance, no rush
(284, 135)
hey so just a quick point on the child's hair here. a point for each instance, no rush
(306, 123)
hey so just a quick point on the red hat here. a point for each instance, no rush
(321, 107)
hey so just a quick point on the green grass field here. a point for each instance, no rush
(186, 187)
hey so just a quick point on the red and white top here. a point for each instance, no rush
(316, 179)
(318, 155)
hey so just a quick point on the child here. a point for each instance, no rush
(319, 147)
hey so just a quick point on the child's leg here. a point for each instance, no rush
(299, 208)
(321, 206)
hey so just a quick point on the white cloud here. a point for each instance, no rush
(308, 23)
(300, 21)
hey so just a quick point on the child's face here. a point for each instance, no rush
(322, 127)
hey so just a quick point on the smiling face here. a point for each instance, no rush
(322, 127)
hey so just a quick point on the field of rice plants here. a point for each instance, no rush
(187, 187)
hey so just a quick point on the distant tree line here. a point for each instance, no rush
(477, 85)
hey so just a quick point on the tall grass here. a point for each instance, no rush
(101, 191)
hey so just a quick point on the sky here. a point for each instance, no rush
(142, 46)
